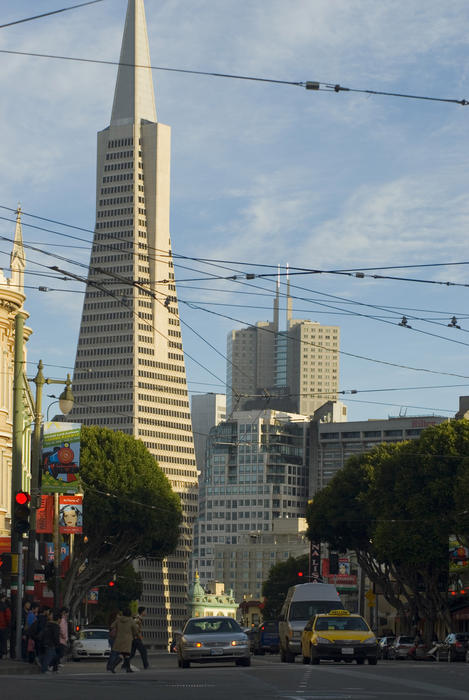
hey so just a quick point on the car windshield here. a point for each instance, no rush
(212, 626)
(305, 609)
(341, 624)
(94, 634)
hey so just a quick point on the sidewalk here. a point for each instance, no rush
(11, 667)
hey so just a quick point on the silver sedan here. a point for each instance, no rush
(211, 639)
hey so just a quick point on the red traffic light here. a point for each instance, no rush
(111, 583)
(300, 573)
(22, 497)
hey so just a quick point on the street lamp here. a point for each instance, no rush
(66, 405)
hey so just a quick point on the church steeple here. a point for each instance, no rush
(134, 97)
(17, 257)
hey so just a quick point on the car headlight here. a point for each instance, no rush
(323, 640)
(370, 640)
(193, 645)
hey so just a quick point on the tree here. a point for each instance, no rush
(129, 510)
(397, 506)
(281, 577)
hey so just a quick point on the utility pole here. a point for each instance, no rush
(17, 476)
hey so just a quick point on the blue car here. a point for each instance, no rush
(266, 638)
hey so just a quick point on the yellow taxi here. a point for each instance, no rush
(338, 636)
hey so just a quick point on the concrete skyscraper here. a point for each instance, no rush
(294, 370)
(129, 369)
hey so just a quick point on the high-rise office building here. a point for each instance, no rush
(295, 370)
(207, 410)
(129, 369)
(256, 472)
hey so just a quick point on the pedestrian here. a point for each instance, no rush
(114, 656)
(126, 630)
(24, 639)
(30, 631)
(5, 624)
(63, 627)
(137, 643)
(51, 640)
(42, 620)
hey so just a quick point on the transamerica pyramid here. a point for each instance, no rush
(129, 368)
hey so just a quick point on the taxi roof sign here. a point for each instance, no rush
(339, 613)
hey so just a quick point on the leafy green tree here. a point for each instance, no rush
(281, 577)
(397, 506)
(129, 510)
(127, 589)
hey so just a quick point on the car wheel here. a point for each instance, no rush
(360, 662)
(313, 659)
(372, 662)
(185, 664)
(246, 662)
(306, 659)
(283, 658)
(289, 657)
(76, 660)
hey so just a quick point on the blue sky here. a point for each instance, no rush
(265, 174)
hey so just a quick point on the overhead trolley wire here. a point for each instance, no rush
(308, 84)
(48, 14)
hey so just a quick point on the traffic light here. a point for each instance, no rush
(112, 583)
(300, 574)
(22, 512)
(5, 564)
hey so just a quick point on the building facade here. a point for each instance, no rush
(245, 566)
(12, 299)
(256, 473)
(332, 443)
(207, 410)
(211, 600)
(129, 369)
(294, 370)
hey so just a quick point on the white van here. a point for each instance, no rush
(303, 602)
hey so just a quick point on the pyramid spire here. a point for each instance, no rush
(134, 97)
(17, 257)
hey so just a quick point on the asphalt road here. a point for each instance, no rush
(266, 679)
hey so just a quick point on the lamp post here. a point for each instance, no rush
(66, 405)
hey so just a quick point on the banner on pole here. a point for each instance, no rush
(61, 458)
(71, 515)
(45, 515)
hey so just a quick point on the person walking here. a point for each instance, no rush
(125, 630)
(5, 623)
(51, 641)
(137, 643)
(63, 630)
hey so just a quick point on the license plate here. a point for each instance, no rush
(347, 650)
(216, 652)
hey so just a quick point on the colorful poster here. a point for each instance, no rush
(70, 515)
(45, 515)
(61, 458)
(93, 596)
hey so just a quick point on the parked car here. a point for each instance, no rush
(400, 647)
(457, 644)
(265, 637)
(91, 643)
(210, 639)
(383, 646)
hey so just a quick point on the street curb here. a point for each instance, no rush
(13, 668)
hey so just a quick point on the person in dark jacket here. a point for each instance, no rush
(50, 639)
(5, 623)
